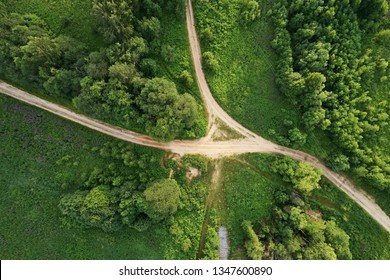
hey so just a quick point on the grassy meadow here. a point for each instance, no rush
(31, 182)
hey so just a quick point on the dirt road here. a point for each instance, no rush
(251, 143)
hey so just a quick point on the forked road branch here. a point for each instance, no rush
(251, 143)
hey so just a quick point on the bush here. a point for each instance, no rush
(210, 62)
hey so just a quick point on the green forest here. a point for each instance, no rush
(312, 75)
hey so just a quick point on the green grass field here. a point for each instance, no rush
(247, 194)
(71, 18)
(31, 142)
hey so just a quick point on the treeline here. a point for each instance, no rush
(295, 231)
(324, 68)
(120, 82)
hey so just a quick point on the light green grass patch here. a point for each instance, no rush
(248, 195)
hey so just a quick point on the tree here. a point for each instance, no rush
(115, 19)
(297, 138)
(186, 78)
(70, 205)
(62, 82)
(306, 178)
(303, 177)
(165, 112)
(123, 72)
(169, 53)
(149, 67)
(210, 62)
(97, 65)
(383, 37)
(97, 210)
(37, 57)
(162, 199)
(253, 246)
(339, 162)
(150, 28)
(93, 209)
(250, 10)
(338, 239)
(373, 9)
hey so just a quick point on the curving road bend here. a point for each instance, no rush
(252, 143)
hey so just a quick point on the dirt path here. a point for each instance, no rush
(210, 200)
(251, 143)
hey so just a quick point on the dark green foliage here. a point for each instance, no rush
(149, 67)
(123, 72)
(114, 19)
(70, 18)
(371, 10)
(115, 197)
(186, 78)
(94, 208)
(31, 53)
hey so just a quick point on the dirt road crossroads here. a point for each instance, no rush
(250, 143)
